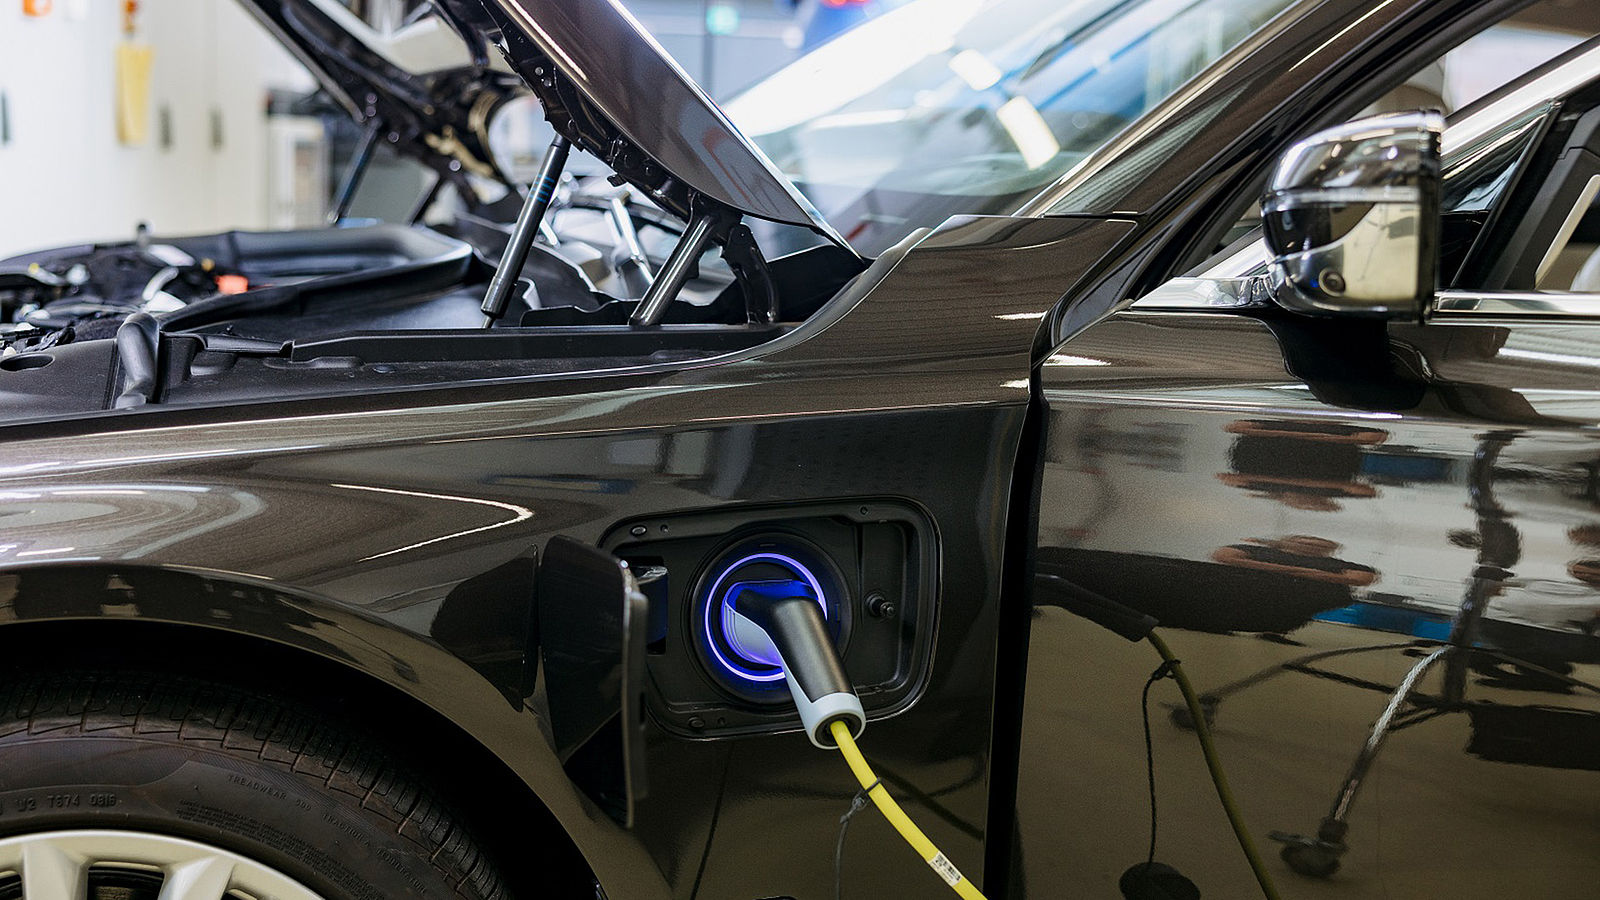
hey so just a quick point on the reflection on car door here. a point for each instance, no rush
(1377, 551)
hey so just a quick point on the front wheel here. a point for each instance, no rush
(133, 864)
(136, 785)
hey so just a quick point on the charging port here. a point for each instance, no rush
(768, 558)
(845, 553)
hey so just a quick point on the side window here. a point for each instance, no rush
(1461, 77)
(1572, 261)
(1540, 226)
(1480, 166)
(1560, 231)
(1493, 57)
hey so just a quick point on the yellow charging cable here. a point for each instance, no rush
(898, 818)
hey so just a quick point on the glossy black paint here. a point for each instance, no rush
(346, 527)
(370, 513)
(591, 634)
(1306, 538)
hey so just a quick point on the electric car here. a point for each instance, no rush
(413, 567)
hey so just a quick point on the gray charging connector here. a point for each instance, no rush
(780, 623)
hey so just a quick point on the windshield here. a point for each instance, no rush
(943, 107)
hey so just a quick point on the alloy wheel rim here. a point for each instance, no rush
(56, 865)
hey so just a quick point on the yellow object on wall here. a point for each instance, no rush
(133, 92)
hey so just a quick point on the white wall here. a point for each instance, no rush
(64, 177)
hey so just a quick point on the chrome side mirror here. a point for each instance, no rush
(1352, 217)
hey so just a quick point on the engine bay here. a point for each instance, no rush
(652, 260)
(243, 315)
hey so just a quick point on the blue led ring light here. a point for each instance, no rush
(725, 603)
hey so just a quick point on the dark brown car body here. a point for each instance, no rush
(1271, 487)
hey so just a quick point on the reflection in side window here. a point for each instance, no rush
(942, 107)
(1476, 176)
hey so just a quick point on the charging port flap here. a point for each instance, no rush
(593, 624)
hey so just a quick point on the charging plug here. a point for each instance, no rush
(780, 623)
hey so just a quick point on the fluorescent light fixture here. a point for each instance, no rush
(850, 66)
(865, 118)
(1028, 131)
(975, 69)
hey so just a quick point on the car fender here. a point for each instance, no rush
(485, 705)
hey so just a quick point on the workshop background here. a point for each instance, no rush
(226, 135)
(224, 141)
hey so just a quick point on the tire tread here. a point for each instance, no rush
(245, 724)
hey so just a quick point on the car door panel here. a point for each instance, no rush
(1312, 509)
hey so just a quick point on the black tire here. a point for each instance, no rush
(276, 783)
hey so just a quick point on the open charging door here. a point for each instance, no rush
(592, 630)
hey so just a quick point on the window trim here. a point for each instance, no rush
(1540, 306)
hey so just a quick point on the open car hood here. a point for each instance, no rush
(421, 88)
(612, 90)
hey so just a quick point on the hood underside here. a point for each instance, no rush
(438, 114)
(607, 86)
(604, 83)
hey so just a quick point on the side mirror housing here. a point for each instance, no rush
(1352, 218)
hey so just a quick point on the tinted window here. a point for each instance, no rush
(964, 106)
